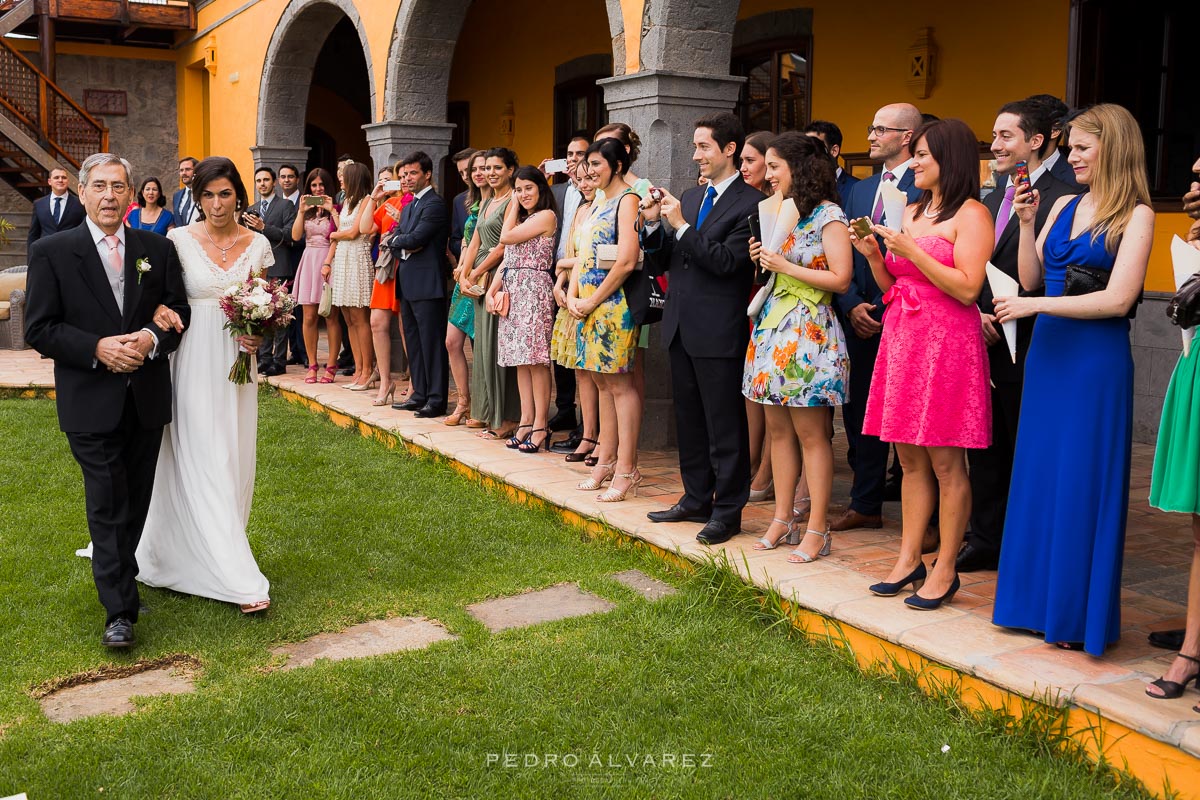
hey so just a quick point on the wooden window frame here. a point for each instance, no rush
(775, 48)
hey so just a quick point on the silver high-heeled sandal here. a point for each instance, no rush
(766, 544)
(614, 495)
(798, 556)
(592, 484)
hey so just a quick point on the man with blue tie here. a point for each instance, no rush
(419, 243)
(58, 211)
(183, 205)
(861, 309)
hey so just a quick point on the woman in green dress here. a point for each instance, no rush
(461, 322)
(1175, 486)
(495, 402)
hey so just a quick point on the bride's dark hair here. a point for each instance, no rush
(212, 169)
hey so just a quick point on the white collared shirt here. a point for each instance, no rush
(571, 200)
(897, 172)
(720, 189)
(294, 197)
(98, 237)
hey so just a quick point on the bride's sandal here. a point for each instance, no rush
(252, 608)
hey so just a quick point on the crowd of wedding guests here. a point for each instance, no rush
(886, 298)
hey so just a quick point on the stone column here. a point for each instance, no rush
(663, 108)
(389, 142)
(274, 156)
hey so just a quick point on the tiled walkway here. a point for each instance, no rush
(960, 636)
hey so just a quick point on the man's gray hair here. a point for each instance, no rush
(102, 160)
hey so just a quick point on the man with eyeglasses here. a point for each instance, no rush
(861, 310)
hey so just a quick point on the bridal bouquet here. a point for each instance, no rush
(254, 307)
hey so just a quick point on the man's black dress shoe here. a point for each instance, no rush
(973, 559)
(678, 513)
(564, 420)
(567, 445)
(716, 532)
(429, 410)
(409, 405)
(118, 633)
(1169, 640)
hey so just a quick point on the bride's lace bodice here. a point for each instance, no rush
(204, 279)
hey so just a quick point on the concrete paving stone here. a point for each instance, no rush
(1189, 736)
(545, 605)
(375, 638)
(649, 588)
(1126, 702)
(975, 641)
(114, 696)
(888, 617)
(824, 591)
(1045, 672)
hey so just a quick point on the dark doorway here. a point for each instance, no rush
(339, 100)
(458, 112)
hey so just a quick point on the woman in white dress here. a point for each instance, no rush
(194, 540)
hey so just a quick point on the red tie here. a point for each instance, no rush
(114, 253)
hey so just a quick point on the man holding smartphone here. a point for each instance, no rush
(1020, 141)
(705, 244)
(272, 217)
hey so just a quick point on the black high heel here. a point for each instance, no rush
(931, 603)
(528, 446)
(575, 458)
(515, 440)
(1171, 689)
(916, 578)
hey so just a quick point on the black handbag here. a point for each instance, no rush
(1184, 308)
(645, 297)
(1088, 280)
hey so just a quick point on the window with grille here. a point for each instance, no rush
(776, 94)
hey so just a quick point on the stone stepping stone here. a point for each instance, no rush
(545, 605)
(113, 696)
(650, 588)
(375, 638)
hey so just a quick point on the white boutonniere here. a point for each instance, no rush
(142, 265)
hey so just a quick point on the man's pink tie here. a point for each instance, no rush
(115, 261)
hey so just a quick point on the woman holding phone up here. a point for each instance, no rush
(316, 218)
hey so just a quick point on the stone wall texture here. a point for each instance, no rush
(1156, 348)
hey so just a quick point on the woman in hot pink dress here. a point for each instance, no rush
(929, 391)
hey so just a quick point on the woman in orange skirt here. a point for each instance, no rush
(383, 295)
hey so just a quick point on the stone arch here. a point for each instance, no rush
(288, 70)
(686, 36)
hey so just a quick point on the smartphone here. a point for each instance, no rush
(251, 212)
(755, 227)
(862, 227)
(315, 200)
(1021, 172)
(392, 186)
(555, 165)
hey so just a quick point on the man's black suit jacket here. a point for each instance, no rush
(424, 227)
(42, 224)
(277, 227)
(1004, 257)
(711, 272)
(70, 307)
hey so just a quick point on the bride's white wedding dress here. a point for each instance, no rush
(194, 540)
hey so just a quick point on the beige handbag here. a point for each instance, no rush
(606, 257)
(326, 307)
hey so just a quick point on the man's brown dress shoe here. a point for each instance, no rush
(852, 520)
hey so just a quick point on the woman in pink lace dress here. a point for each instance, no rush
(929, 391)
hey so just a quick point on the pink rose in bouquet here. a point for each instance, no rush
(254, 307)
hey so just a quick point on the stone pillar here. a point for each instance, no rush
(663, 108)
(274, 156)
(391, 141)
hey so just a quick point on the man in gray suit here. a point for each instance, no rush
(272, 216)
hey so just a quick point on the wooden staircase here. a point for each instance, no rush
(41, 126)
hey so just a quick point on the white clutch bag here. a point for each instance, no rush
(606, 257)
(760, 298)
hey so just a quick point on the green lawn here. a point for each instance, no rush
(349, 531)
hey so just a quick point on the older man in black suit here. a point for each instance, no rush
(707, 250)
(58, 211)
(419, 244)
(92, 295)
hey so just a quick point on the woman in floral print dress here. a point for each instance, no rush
(796, 362)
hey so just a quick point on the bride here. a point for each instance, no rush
(194, 540)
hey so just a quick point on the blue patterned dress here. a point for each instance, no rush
(607, 339)
(797, 352)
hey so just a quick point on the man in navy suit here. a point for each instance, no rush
(58, 211)
(1021, 133)
(707, 250)
(831, 135)
(419, 243)
(183, 205)
(861, 309)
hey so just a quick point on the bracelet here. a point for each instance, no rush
(327, 265)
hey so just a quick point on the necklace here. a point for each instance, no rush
(927, 215)
(224, 250)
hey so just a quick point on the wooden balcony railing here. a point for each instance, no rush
(45, 112)
(138, 13)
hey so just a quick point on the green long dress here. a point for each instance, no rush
(1175, 484)
(494, 395)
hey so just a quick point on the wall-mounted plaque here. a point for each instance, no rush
(105, 101)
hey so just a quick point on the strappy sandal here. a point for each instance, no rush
(592, 483)
(330, 374)
(798, 556)
(475, 424)
(312, 373)
(515, 440)
(1171, 689)
(460, 413)
(614, 495)
(528, 446)
(789, 535)
(575, 458)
